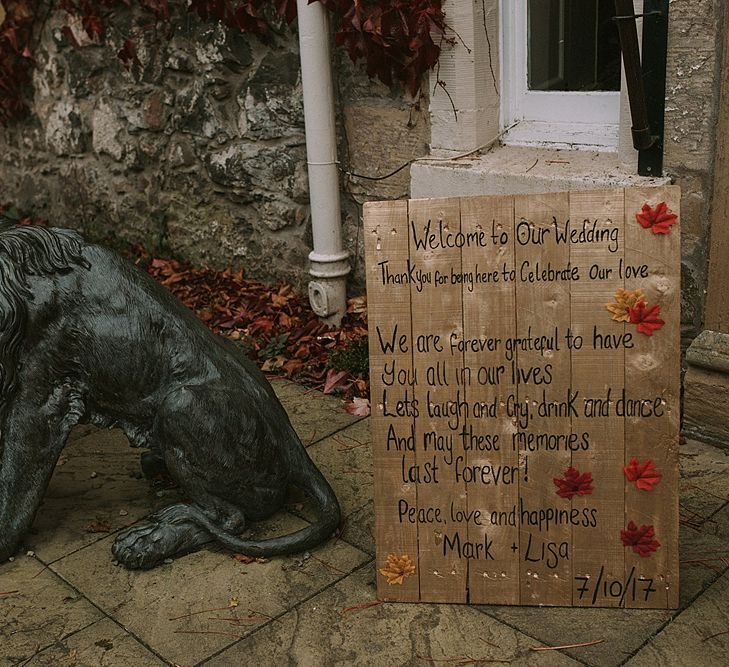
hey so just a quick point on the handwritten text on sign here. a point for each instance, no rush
(524, 358)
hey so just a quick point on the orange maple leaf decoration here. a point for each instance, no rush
(642, 539)
(646, 317)
(658, 219)
(397, 568)
(643, 474)
(624, 301)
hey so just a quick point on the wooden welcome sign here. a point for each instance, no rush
(524, 365)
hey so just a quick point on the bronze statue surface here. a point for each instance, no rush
(88, 337)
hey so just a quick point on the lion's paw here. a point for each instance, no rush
(144, 546)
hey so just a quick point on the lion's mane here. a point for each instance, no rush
(27, 250)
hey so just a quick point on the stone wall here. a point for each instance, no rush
(692, 92)
(199, 151)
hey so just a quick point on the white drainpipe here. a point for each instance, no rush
(329, 261)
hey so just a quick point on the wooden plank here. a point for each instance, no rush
(488, 320)
(652, 371)
(437, 313)
(542, 309)
(598, 375)
(390, 347)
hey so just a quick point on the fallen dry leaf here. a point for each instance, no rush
(357, 305)
(247, 560)
(333, 379)
(358, 406)
(98, 526)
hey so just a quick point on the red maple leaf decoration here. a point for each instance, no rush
(641, 539)
(658, 219)
(644, 475)
(646, 317)
(574, 484)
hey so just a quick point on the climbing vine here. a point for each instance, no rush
(397, 40)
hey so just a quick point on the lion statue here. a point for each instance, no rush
(86, 337)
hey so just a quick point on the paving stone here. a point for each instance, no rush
(703, 558)
(718, 524)
(81, 431)
(359, 528)
(97, 484)
(704, 481)
(313, 415)
(159, 606)
(103, 643)
(687, 640)
(321, 633)
(624, 630)
(41, 613)
(345, 459)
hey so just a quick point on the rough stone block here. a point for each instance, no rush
(382, 139)
(106, 128)
(690, 102)
(65, 131)
(706, 389)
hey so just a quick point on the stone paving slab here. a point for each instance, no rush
(718, 525)
(321, 633)
(313, 415)
(359, 528)
(97, 486)
(161, 606)
(42, 612)
(704, 484)
(345, 459)
(103, 643)
(688, 640)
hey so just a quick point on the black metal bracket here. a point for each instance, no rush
(653, 67)
(646, 80)
(632, 17)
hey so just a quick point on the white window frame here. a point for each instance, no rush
(555, 119)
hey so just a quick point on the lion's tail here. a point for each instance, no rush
(308, 478)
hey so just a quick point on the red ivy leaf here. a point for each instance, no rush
(12, 36)
(646, 317)
(128, 53)
(642, 539)
(574, 484)
(644, 475)
(658, 219)
(93, 26)
(70, 37)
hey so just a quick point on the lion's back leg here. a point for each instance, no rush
(192, 439)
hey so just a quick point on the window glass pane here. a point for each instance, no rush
(573, 45)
